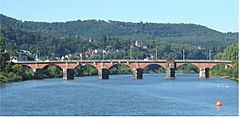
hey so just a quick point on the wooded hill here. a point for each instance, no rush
(60, 38)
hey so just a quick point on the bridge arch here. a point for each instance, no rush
(153, 68)
(85, 70)
(52, 71)
(116, 64)
(182, 64)
(162, 65)
(46, 66)
(187, 68)
(120, 68)
(28, 72)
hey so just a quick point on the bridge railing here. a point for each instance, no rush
(122, 60)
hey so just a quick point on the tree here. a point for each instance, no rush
(229, 53)
(4, 57)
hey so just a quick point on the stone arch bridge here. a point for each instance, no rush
(137, 66)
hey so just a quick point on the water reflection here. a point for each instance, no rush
(218, 108)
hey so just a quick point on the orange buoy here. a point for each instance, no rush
(218, 102)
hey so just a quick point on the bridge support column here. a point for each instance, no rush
(138, 73)
(170, 74)
(170, 70)
(103, 74)
(38, 73)
(68, 74)
(204, 72)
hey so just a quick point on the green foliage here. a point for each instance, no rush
(28, 75)
(3, 77)
(15, 73)
(59, 39)
(153, 69)
(221, 70)
(188, 68)
(120, 69)
(230, 53)
(85, 70)
(235, 69)
(9, 77)
(2, 45)
(10, 72)
(4, 57)
(52, 71)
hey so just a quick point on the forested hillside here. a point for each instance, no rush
(61, 38)
(34, 41)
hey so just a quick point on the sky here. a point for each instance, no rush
(220, 15)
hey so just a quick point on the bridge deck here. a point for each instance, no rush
(125, 61)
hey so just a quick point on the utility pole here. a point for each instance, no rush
(131, 49)
(183, 55)
(156, 54)
(37, 57)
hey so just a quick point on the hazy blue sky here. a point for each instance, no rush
(221, 15)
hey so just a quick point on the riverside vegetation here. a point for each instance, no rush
(58, 39)
(10, 72)
(229, 53)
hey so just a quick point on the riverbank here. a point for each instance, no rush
(226, 77)
(234, 79)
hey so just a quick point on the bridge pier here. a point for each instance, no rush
(170, 70)
(204, 72)
(170, 74)
(68, 74)
(103, 74)
(38, 73)
(138, 73)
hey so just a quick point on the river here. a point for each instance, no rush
(121, 95)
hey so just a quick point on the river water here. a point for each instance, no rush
(121, 95)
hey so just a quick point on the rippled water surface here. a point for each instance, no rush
(187, 95)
